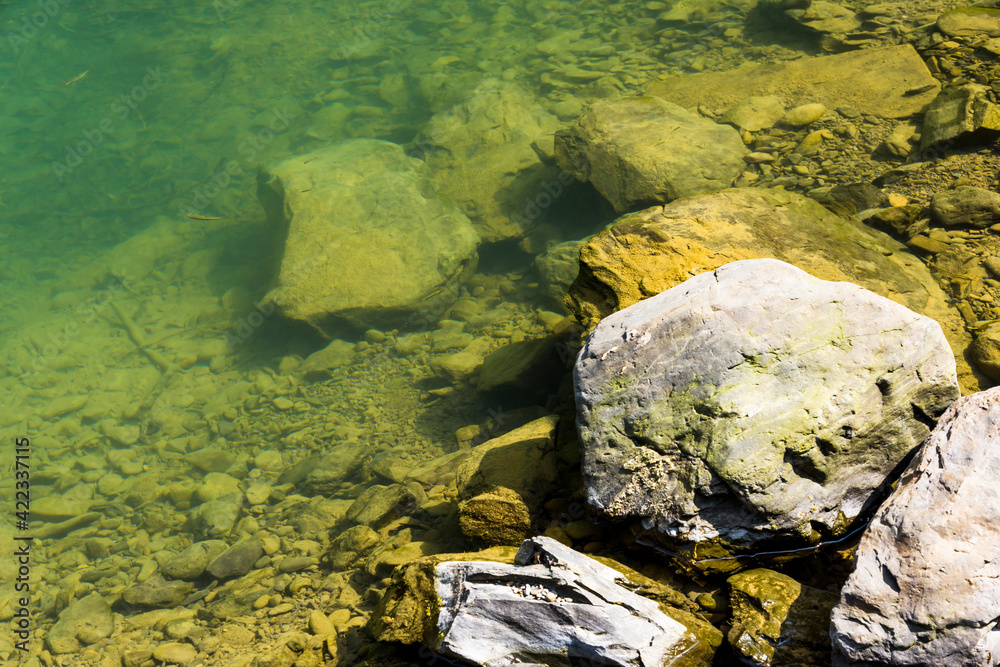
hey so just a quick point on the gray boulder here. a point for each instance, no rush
(926, 583)
(966, 206)
(639, 151)
(481, 156)
(369, 241)
(554, 606)
(755, 403)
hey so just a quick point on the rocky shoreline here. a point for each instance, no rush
(762, 407)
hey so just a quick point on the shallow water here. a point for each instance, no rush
(130, 333)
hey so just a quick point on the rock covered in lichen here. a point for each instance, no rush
(755, 403)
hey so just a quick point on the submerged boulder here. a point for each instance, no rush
(755, 404)
(926, 583)
(638, 151)
(369, 241)
(650, 251)
(481, 156)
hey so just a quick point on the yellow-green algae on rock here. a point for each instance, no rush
(649, 251)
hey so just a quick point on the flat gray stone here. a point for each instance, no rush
(555, 606)
(369, 241)
(638, 151)
(926, 583)
(755, 402)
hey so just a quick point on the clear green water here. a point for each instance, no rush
(117, 120)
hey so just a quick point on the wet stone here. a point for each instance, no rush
(237, 560)
(190, 563)
(83, 622)
(175, 653)
(158, 593)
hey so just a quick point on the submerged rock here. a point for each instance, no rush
(369, 241)
(970, 21)
(896, 84)
(778, 621)
(966, 206)
(755, 403)
(496, 518)
(552, 606)
(926, 583)
(642, 150)
(481, 156)
(85, 621)
(960, 113)
(650, 251)
(522, 460)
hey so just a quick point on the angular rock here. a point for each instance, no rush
(84, 622)
(218, 516)
(642, 150)
(322, 363)
(647, 252)
(986, 350)
(350, 546)
(522, 460)
(190, 563)
(893, 86)
(158, 593)
(481, 157)
(237, 560)
(970, 22)
(380, 505)
(860, 196)
(960, 113)
(369, 241)
(524, 371)
(552, 606)
(778, 621)
(324, 476)
(557, 268)
(966, 206)
(495, 519)
(926, 583)
(755, 403)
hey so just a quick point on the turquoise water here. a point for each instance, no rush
(135, 253)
